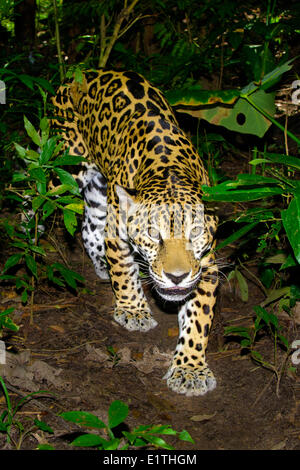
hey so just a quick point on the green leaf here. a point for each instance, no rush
(43, 426)
(31, 264)
(257, 356)
(47, 150)
(283, 160)
(236, 235)
(45, 128)
(61, 189)
(21, 150)
(70, 221)
(291, 222)
(226, 108)
(185, 436)
(88, 440)
(242, 285)
(157, 441)
(83, 418)
(12, 261)
(262, 313)
(68, 160)
(276, 294)
(38, 175)
(76, 207)
(237, 331)
(48, 208)
(223, 193)
(33, 134)
(117, 413)
(66, 178)
(37, 202)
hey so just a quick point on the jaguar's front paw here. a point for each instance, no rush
(140, 320)
(190, 381)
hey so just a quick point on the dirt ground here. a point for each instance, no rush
(66, 352)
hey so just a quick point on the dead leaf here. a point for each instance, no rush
(199, 418)
(280, 445)
(57, 328)
(174, 331)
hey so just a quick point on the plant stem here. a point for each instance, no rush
(58, 47)
(105, 53)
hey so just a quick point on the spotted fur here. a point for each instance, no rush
(142, 190)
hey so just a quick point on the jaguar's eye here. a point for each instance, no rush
(154, 234)
(196, 232)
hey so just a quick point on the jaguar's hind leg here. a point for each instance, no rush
(94, 222)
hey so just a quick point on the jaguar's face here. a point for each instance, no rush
(172, 239)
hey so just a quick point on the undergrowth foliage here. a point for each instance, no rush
(105, 436)
(36, 201)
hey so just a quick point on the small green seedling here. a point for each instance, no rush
(142, 436)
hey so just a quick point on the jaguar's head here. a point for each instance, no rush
(171, 237)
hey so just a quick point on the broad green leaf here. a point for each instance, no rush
(62, 188)
(68, 160)
(37, 249)
(269, 79)
(44, 84)
(48, 208)
(262, 313)
(8, 311)
(47, 150)
(33, 134)
(21, 150)
(291, 222)
(45, 129)
(43, 426)
(38, 174)
(37, 202)
(243, 285)
(66, 178)
(157, 441)
(225, 108)
(237, 331)
(236, 235)
(117, 413)
(238, 195)
(83, 418)
(19, 177)
(27, 80)
(257, 356)
(286, 160)
(70, 221)
(113, 444)
(185, 436)
(31, 264)
(164, 429)
(76, 207)
(276, 294)
(88, 440)
(12, 261)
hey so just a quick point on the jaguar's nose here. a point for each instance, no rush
(176, 278)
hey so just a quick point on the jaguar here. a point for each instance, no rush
(141, 181)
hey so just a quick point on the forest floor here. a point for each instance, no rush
(65, 352)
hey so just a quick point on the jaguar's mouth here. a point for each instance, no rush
(174, 293)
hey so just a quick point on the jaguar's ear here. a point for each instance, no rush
(127, 197)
